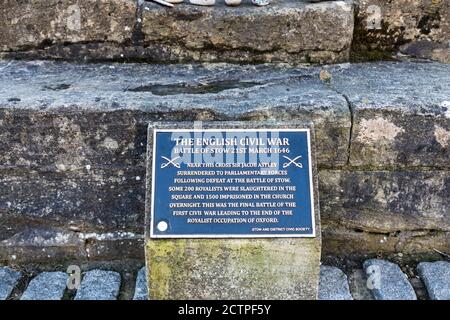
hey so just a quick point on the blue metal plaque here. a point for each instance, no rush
(232, 183)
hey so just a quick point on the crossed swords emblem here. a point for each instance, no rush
(170, 162)
(292, 161)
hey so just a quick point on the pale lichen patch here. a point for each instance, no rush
(442, 136)
(110, 144)
(377, 129)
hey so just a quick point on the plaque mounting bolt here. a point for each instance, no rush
(162, 226)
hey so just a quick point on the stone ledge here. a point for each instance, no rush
(120, 29)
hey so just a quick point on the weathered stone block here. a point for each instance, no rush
(247, 268)
(436, 276)
(401, 114)
(382, 26)
(387, 281)
(39, 244)
(99, 285)
(333, 284)
(384, 201)
(9, 279)
(46, 286)
(39, 24)
(71, 134)
(285, 31)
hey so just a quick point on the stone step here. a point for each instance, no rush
(74, 138)
(286, 31)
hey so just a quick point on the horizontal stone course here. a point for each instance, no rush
(126, 29)
(386, 201)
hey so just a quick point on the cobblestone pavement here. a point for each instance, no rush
(376, 279)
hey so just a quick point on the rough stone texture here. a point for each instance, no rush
(223, 269)
(423, 49)
(46, 25)
(287, 30)
(400, 22)
(436, 276)
(386, 201)
(393, 283)
(242, 267)
(40, 244)
(8, 281)
(141, 290)
(386, 99)
(46, 286)
(99, 285)
(333, 284)
(358, 285)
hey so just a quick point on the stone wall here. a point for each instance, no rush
(73, 143)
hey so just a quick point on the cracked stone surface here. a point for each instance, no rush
(8, 281)
(333, 284)
(46, 286)
(99, 285)
(388, 281)
(386, 98)
(436, 276)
